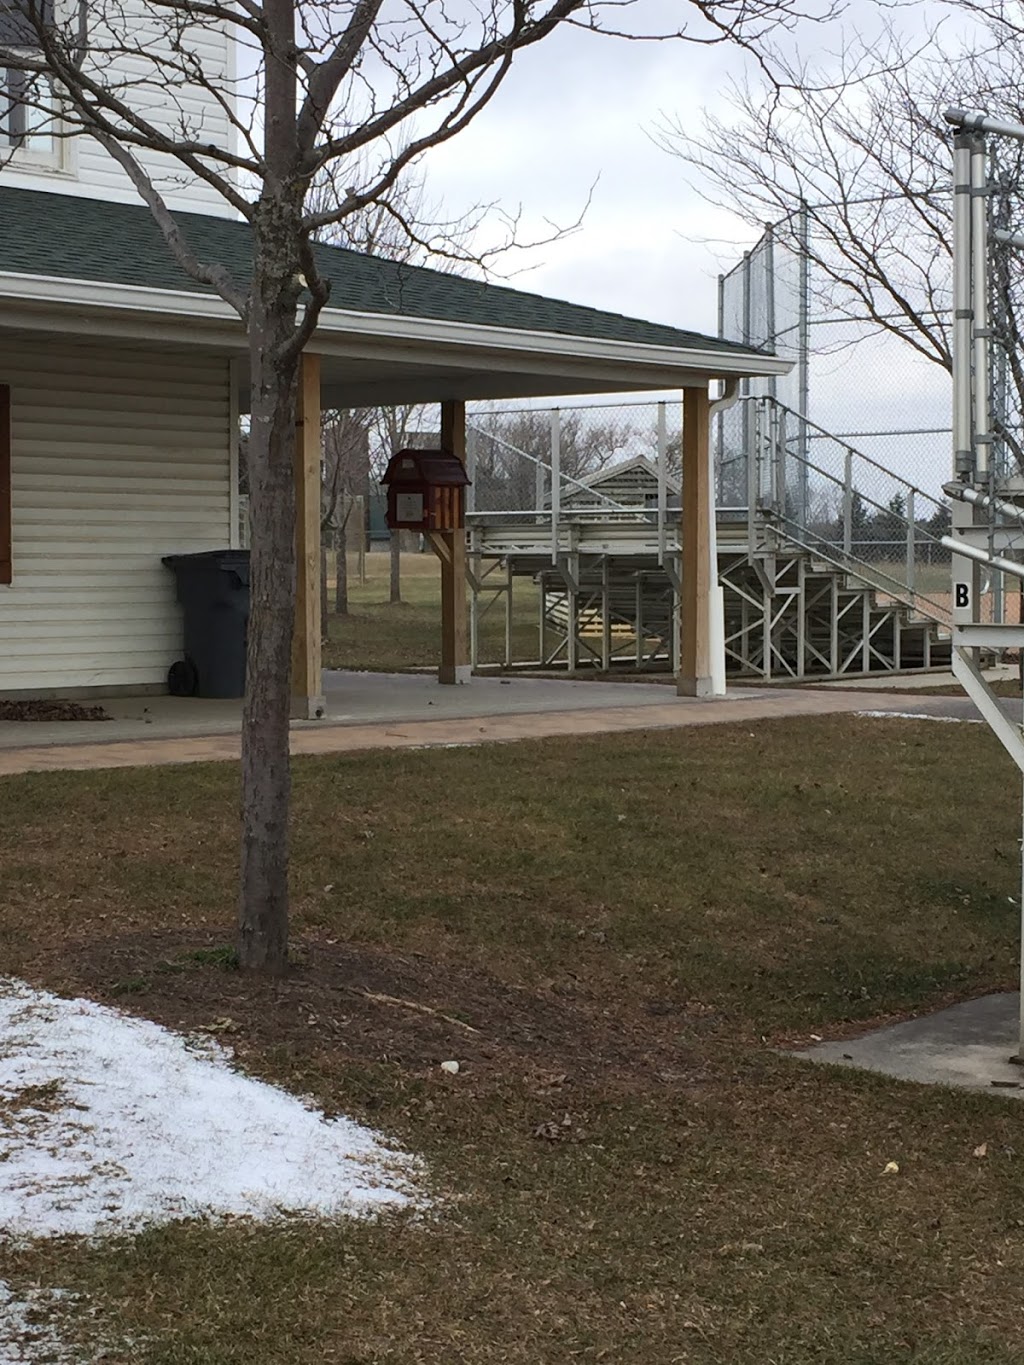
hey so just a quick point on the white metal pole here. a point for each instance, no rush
(556, 480)
(979, 287)
(1020, 984)
(769, 290)
(963, 458)
(720, 431)
(979, 556)
(961, 118)
(471, 463)
(662, 481)
(803, 358)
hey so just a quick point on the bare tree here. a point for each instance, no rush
(411, 229)
(860, 151)
(346, 482)
(513, 452)
(323, 82)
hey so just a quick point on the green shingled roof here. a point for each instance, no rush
(86, 239)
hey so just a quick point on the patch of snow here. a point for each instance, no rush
(25, 1336)
(921, 715)
(110, 1124)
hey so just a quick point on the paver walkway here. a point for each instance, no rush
(332, 738)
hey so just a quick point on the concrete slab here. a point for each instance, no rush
(966, 1045)
(352, 699)
(381, 710)
(912, 682)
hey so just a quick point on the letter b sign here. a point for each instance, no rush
(961, 595)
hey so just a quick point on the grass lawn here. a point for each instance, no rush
(1001, 687)
(626, 1170)
(377, 635)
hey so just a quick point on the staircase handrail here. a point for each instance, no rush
(771, 420)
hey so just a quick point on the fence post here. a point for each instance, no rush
(745, 389)
(803, 353)
(556, 479)
(751, 449)
(779, 460)
(769, 298)
(848, 503)
(911, 540)
(662, 481)
(471, 463)
(720, 419)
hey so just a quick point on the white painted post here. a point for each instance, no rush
(542, 643)
(606, 615)
(509, 581)
(556, 480)
(911, 540)
(662, 482)
(963, 456)
(980, 265)
(471, 461)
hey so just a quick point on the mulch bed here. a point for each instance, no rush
(29, 709)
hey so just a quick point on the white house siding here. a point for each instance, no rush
(81, 166)
(118, 458)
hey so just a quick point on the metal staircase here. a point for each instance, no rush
(835, 567)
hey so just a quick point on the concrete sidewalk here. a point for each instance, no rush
(563, 713)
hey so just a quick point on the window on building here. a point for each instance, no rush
(26, 114)
(26, 100)
(6, 554)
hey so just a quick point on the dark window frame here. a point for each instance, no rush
(21, 29)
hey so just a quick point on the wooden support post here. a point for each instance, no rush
(455, 665)
(307, 677)
(698, 571)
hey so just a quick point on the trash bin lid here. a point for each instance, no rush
(211, 561)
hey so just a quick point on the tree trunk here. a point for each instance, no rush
(341, 577)
(266, 779)
(396, 567)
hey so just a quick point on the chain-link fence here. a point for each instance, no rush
(622, 462)
(850, 510)
(597, 456)
(1006, 306)
(852, 378)
(764, 303)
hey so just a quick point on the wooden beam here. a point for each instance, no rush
(450, 547)
(699, 573)
(307, 675)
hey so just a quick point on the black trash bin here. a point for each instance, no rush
(213, 589)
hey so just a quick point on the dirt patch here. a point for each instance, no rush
(30, 709)
(366, 1007)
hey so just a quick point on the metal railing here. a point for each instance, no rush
(561, 498)
(847, 509)
(804, 486)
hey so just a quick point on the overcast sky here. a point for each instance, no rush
(576, 110)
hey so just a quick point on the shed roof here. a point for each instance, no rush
(76, 238)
